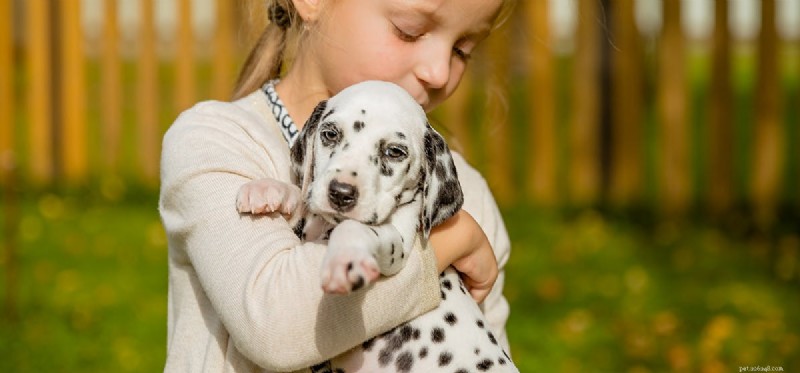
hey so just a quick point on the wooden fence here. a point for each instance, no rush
(611, 123)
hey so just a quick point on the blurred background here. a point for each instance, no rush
(645, 154)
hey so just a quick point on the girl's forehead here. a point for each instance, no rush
(437, 9)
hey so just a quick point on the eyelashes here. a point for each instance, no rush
(411, 37)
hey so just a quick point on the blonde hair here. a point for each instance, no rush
(272, 49)
(276, 46)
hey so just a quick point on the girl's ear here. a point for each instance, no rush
(308, 10)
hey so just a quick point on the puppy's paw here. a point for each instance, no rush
(267, 195)
(343, 274)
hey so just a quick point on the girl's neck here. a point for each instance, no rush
(301, 90)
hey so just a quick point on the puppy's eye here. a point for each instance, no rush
(395, 152)
(330, 135)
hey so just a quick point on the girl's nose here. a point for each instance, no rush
(433, 68)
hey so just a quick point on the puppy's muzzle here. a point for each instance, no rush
(342, 196)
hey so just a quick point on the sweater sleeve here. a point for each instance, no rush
(480, 203)
(259, 279)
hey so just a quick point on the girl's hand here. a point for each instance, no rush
(460, 242)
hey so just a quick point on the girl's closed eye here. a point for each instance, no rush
(406, 35)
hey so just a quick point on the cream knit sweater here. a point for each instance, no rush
(244, 292)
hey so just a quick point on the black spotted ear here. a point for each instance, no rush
(442, 196)
(302, 151)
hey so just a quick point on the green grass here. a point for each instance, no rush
(589, 292)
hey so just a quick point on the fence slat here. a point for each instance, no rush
(7, 108)
(673, 135)
(496, 126)
(111, 89)
(223, 56)
(584, 173)
(184, 59)
(720, 135)
(541, 185)
(147, 96)
(627, 152)
(769, 145)
(39, 95)
(73, 94)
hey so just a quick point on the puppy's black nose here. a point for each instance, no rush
(342, 196)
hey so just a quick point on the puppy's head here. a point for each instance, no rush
(368, 150)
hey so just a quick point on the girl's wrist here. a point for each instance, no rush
(450, 240)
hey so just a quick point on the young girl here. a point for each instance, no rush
(244, 292)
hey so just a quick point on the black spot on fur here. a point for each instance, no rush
(363, 111)
(501, 361)
(415, 334)
(400, 135)
(441, 173)
(354, 173)
(423, 352)
(491, 338)
(450, 318)
(437, 335)
(384, 357)
(404, 362)
(484, 365)
(477, 351)
(386, 170)
(445, 358)
(373, 219)
(444, 297)
(368, 344)
(358, 125)
(406, 332)
(447, 284)
(480, 323)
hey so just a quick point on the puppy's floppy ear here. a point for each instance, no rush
(303, 149)
(442, 196)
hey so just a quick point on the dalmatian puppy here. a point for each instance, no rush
(370, 174)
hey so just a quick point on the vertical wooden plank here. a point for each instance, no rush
(719, 194)
(673, 135)
(147, 96)
(39, 95)
(627, 152)
(496, 126)
(584, 131)
(184, 58)
(223, 77)
(73, 94)
(769, 146)
(111, 89)
(8, 180)
(7, 133)
(456, 118)
(541, 185)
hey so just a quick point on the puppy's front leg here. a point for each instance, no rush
(358, 253)
(397, 238)
(264, 196)
(349, 262)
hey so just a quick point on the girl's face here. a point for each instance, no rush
(421, 45)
